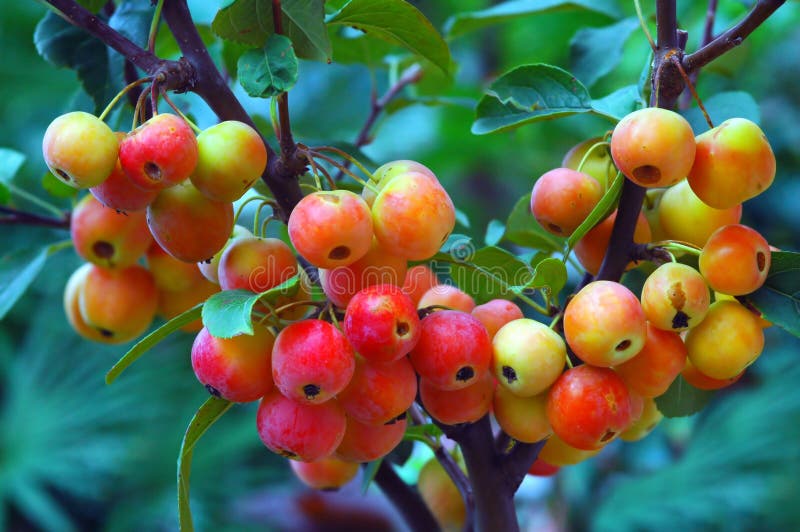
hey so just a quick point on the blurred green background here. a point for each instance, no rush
(78, 455)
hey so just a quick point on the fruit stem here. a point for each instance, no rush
(34, 199)
(643, 24)
(670, 245)
(241, 207)
(122, 93)
(346, 156)
(589, 153)
(151, 38)
(178, 111)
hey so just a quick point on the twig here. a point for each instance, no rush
(408, 501)
(17, 217)
(285, 138)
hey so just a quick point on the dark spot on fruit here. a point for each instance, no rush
(509, 374)
(339, 253)
(63, 175)
(152, 171)
(761, 261)
(394, 420)
(555, 228)
(287, 454)
(213, 391)
(608, 435)
(103, 249)
(647, 174)
(464, 374)
(680, 320)
(676, 295)
(623, 345)
(311, 391)
(402, 328)
(207, 261)
(105, 333)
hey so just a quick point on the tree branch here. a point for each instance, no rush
(408, 501)
(16, 217)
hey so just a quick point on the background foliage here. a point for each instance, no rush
(76, 454)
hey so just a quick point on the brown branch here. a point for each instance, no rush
(285, 138)
(13, 216)
(407, 500)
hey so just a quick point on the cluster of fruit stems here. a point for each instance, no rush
(496, 465)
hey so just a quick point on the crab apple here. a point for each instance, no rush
(256, 264)
(80, 149)
(650, 209)
(379, 393)
(381, 323)
(300, 431)
(562, 199)
(540, 468)
(557, 452)
(589, 406)
(325, 474)
(413, 215)
(160, 153)
(447, 295)
(522, 418)
(496, 313)
(377, 267)
(169, 273)
(591, 249)
(762, 321)
(442, 496)
(604, 324)
(726, 342)
(119, 303)
(644, 425)
(118, 192)
(660, 361)
(237, 368)
(189, 226)
(675, 297)
(72, 308)
(106, 237)
(735, 260)
(528, 357)
(231, 156)
(365, 443)
(172, 303)
(210, 266)
(312, 361)
(653, 147)
(683, 216)
(703, 382)
(464, 405)
(331, 228)
(734, 162)
(598, 164)
(418, 280)
(453, 349)
(389, 171)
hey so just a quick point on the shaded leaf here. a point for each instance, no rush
(779, 298)
(550, 273)
(494, 232)
(682, 399)
(10, 163)
(422, 433)
(269, 71)
(594, 52)
(92, 5)
(490, 273)
(56, 187)
(351, 46)
(523, 229)
(19, 269)
(722, 106)
(604, 207)
(514, 10)
(619, 103)
(369, 474)
(462, 219)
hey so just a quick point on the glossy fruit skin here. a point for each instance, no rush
(562, 199)
(496, 313)
(657, 365)
(558, 453)
(365, 443)
(413, 215)
(80, 149)
(255, 264)
(160, 153)
(418, 280)
(210, 266)
(446, 295)
(231, 156)
(604, 324)
(379, 393)
(646, 422)
(599, 164)
(388, 171)
(734, 163)
(452, 351)
(442, 496)
(381, 323)
(331, 228)
(528, 356)
(169, 273)
(703, 382)
(726, 342)
(540, 468)
(119, 303)
(299, 431)
(464, 405)
(324, 474)
(736, 260)
(118, 192)
(106, 237)
(171, 303)
(189, 226)
(72, 308)
(312, 361)
(683, 216)
(675, 297)
(589, 406)
(236, 369)
(653, 147)
(522, 418)
(591, 249)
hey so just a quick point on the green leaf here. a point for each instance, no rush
(462, 219)
(594, 52)
(208, 413)
(10, 163)
(92, 5)
(722, 106)
(398, 22)
(422, 433)
(250, 22)
(462, 23)
(494, 232)
(65, 45)
(550, 273)
(19, 269)
(56, 187)
(530, 93)
(369, 474)
(682, 399)
(523, 229)
(351, 46)
(619, 103)
(779, 298)
(490, 274)
(604, 207)
(269, 71)
(148, 342)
